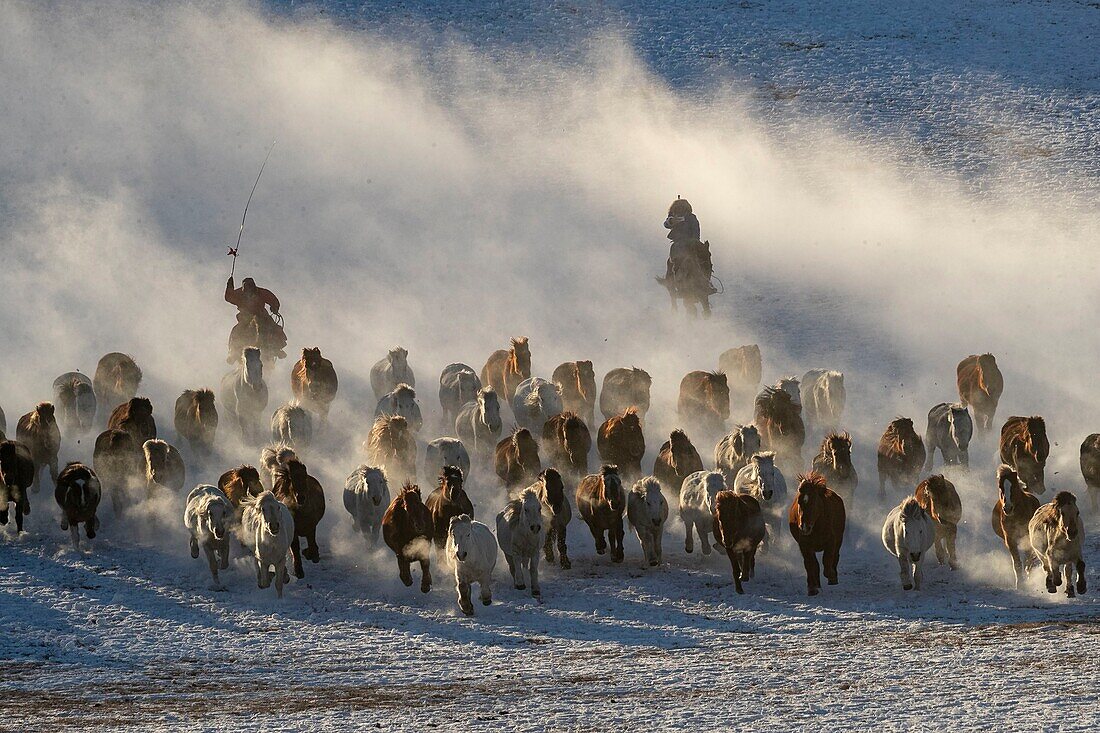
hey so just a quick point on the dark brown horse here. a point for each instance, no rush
(16, 477)
(980, 386)
(136, 418)
(197, 420)
(120, 465)
(779, 419)
(621, 443)
(303, 496)
(38, 431)
(1090, 468)
(900, 456)
(577, 381)
(817, 523)
(1011, 515)
(78, 493)
(517, 459)
(567, 442)
(743, 368)
(739, 529)
(116, 380)
(240, 482)
(704, 401)
(449, 499)
(1024, 447)
(407, 530)
(313, 382)
(504, 370)
(556, 514)
(676, 460)
(938, 497)
(625, 389)
(601, 502)
(834, 462)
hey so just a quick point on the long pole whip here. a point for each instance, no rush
(233, 250)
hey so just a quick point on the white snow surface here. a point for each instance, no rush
(126, 633)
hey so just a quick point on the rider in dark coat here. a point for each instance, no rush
(253, 301)
(689, 265)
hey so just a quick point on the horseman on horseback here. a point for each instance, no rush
(255, 326)
(689, 267)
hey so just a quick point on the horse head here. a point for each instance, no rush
(553, 487)
(810, 501)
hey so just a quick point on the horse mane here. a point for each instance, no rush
(404, 390)
(40, 415)
(408, 491)
(813, 480)
(1064, 498)
(450, 476)
(763, 454)
(1036, 436)
(910, 508)
(895, 434)
(642, 486)
(1005, 471)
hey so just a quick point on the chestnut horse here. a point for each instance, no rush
(938, 497)
(704, 401)
(506, 369)
(625, 389)
(567, 442)
(517, 459)
(601, 502)
(313, 382)
(778, 417)
(739, 529)
(448, 500)
(240, 482)
(900, 455)
(980, 386)
(577, 381)
(1025, 447)
(621, 443)
(743, 368)
(116, 380)
(1011, 515)
(834, 462)
(196, 420)
(303, 496)
(676, 460)
(816, 521)
(407, 530)
(136, 418)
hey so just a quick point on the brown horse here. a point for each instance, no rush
(506, 369)
(38, 431)
(119, 463)
(116, 380)
(1011, 515)
(517, 459)
(577, 381)
(817, 522)
(303, 496)
(980, 386)
(676, 460)
(739, 528)
(16, 477)
(625, 389)
(743, 368)
(240, 482)
(778, 418)
(621, 443)
(313, 382)
(449, 499)
(392, 446)
(938, 497)
(78, 492)
(900, 455)
(556, 514)
(164, 466)
(136, 418)
(1090, 468)
(567, 442)
(601, 502)
(407, 530)
(1025, 447)
(704, 401)
(834, 462)
(197, 420)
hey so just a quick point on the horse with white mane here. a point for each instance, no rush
(473, 550)
(536, 400)
(478, 423)
(908, 534)
(391, 370)
(366, 497)
(732, 452)
(763, 480)
(647, 511)
(292, 425)
(697, 507)
(1057, 536)
(822, 395)
(267, 527)
(401, 401)
(520, 536)
(950, 429)
(443, 452)
(458, 384)
(207, 516)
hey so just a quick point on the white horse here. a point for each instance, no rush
(443, 452)
(75, 399)
(908, 534)
(697, 507)
(1057, 535)
(520, 535)
(536, 401)
(734, 451)
(473, 550)
(401, 401)
(292, 425)
(950, 429)
(393, 369)
(823, 397)
(761, 479)
(267, 527)
(243, 394)
(647, 511)
(478, 423)
(207, 516)
(458, 384)
(366, 497)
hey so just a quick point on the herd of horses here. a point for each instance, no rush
(742, 501)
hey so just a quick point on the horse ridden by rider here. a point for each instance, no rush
(255, 325)
(689, 267)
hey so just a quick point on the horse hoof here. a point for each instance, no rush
(535, 593)
(425, 588)
(407, 581)
(194, 551)
(299, 573)
(521, 586)
(833, 581)
(814, 591)
(598, 550)
(741, 591)
(1052, 588)
(486, 601)
(1081, 586)
(907, 586)
(565, 564)
(467, 608)
(689, 550)
(653, 564)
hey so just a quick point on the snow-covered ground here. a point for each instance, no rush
(141, 128)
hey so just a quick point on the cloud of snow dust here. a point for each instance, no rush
(448, 206)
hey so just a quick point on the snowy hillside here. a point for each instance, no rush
(887, 187)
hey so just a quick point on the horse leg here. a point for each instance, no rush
(533, 574)
(1069, 572)
(938, 543)
(657, 542)
(1052, 580)
(212, 562)
(517, 582)
(19, 518)
(548, 545)
(563, 552)
(223, 550)
(403, 570)
(951, 531)
(813, 571)
(425, 575)
(485, 585)
(1081, 585)
(37, 478)
(464, 603)
(617, 554)
(53, 471)
(296, 551)
(704, 539)
(601, 543)
(194, 547)
(312, 551)
(1017, 564)
(831, 559)
(918, 572)
(280, 577)
(689, 536)
(74, 532)
(735, 564)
